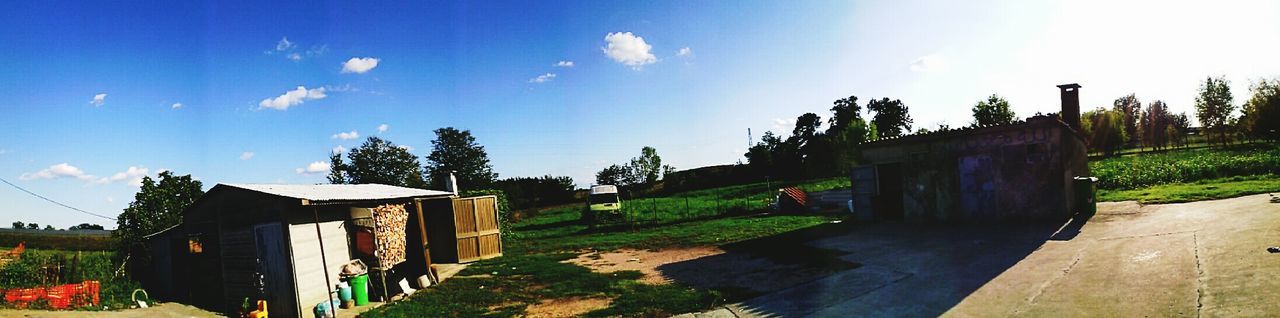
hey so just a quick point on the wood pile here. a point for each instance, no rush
(388, 233)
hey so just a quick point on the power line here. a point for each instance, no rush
(56, 202)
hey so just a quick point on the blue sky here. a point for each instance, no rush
(212, 89)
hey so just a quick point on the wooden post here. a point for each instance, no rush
(654, 203)
(328, 291)
(686, 207)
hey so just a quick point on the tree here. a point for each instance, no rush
(993, 111)
(33, 226)
(1131, 109)
(156, 206)
(456, 151)
(49, 228)
(85, 226)
(844, 112)
(613, 175)
(1262, 111)
(525, 192)
(892, 117)
(1104, 130)
(1154, 125)
(18, 225)
(1181, 125)
(647, 168)
(376, 161)
(1214, 106)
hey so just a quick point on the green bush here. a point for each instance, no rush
(35, 269)
(1184, 166)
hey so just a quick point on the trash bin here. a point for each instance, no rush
(360, 289)
(1086, 195)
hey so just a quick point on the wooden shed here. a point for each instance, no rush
(464, 229)
(292, 238)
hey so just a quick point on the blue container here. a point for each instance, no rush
(344, 292)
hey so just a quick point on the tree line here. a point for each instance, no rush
(1127, 124)
(19, 225)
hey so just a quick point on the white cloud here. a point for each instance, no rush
(629, 49)
(564, 64)
(346, 135)
(383, 128)
(684, 51)
(543, 78)
(314, 167)
(176, 106)
(344, 88)
(61, 170)
(359, 65)
(339, 149)
(293, 97)
(781, 125)
(294, 56)
(98, 99)
(133, 175)
(247, 155)
(929, 64)
(284, 44)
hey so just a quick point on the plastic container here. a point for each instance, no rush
(1086, 195)
(360, 289)
(324, 310)
(344, 292)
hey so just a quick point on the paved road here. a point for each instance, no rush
(1178, 260)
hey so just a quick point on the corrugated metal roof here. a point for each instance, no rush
(339, 192)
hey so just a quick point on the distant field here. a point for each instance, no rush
(1185, 166)
(63, 240)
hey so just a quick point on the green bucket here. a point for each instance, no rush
(360, 287)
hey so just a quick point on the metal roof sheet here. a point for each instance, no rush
(339, 192)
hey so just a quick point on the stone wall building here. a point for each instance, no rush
(1023, 170)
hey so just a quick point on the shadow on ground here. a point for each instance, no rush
(872, 269)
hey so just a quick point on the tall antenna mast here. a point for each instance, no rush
(748, 138)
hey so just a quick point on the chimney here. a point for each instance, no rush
(452, 186)
(1070, 105)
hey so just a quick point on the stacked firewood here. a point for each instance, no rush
(388, 233)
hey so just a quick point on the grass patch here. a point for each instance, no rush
(1211, 189)
(533, 270)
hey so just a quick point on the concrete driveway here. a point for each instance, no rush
(1184, 260)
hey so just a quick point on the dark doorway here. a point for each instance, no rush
(888, 204)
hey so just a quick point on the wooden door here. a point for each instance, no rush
(273, 264)
(476, 226)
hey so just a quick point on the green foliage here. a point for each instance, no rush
(993, 111)
(525, 192)
(58, 240)
(376, 161)
(1130, 109)
(155, 207)
(1214, 105)
(456, 151)
(612, 175)
(1156, 125)
(1210, 189)
(644, 170)
(75, 267)
(1184, 166)
(17, 225)
(1261, 117)
(892, 117)
(1104, 130)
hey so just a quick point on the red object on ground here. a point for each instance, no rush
(792, 200)
(86, 293)
(17, 251)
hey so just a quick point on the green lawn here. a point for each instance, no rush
(532, 269)
(1196, 191)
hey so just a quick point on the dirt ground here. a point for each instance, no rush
(1178, 260)
(644, 261)
(165, 310)
(565, 307)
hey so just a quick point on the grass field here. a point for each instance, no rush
(1138, 171)
(531, 270)
(69, 240)
(1196, 191)
(43, 267)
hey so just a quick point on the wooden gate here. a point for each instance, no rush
(471, 224)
